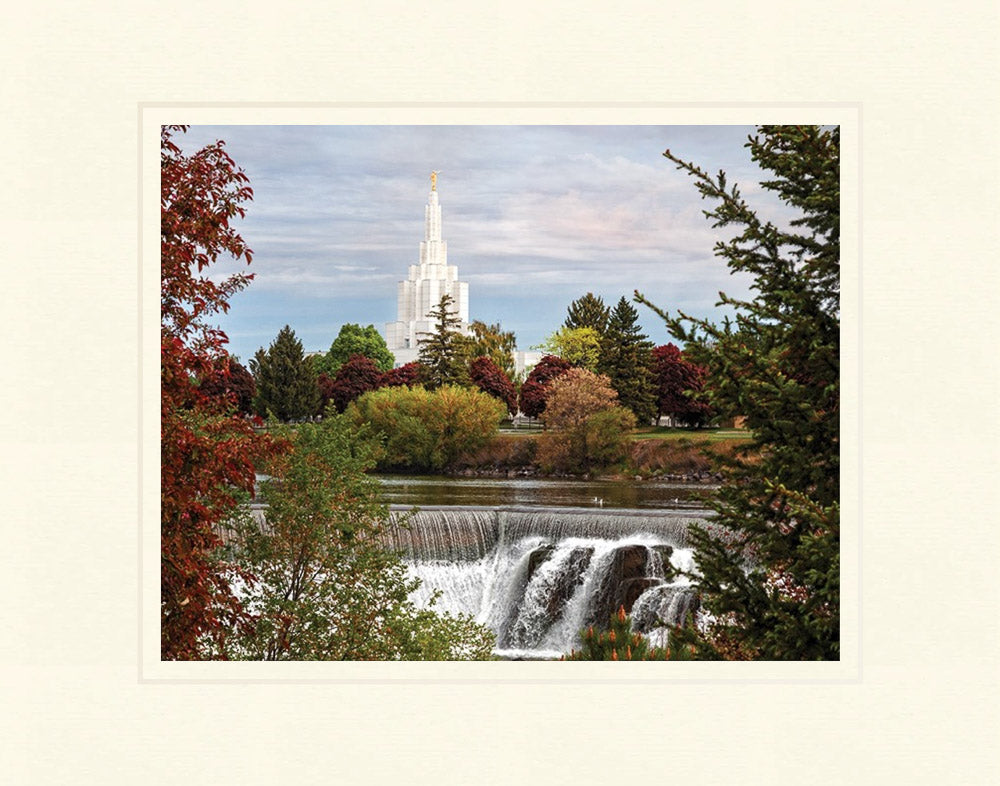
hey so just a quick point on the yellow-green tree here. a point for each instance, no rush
(581, 347)
(423, 429)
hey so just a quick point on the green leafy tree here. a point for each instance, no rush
(770, 562)
(588, 311)
(286, 380)
(443, 353)
(585, 429)
(356, 340)
(325, 587)
(492, 342)
(423, 429)
(626, 359)
(581, 347)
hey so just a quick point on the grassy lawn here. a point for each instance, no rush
(694, 435)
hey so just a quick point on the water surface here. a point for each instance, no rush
(501, 492)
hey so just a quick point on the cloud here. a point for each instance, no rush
(534, 217)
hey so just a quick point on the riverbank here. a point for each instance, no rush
(684, 457)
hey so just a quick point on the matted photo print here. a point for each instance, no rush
(539, 392)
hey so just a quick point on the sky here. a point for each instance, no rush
(534, 217)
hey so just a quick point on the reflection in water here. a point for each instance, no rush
(496, 492)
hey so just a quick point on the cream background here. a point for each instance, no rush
(920, 704)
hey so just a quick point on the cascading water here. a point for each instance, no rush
(536, 577)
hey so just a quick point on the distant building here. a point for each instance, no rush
(421, 292)
(526, 360)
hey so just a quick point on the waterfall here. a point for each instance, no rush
(536, 577)
(444, 534)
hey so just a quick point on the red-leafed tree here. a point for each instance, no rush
(677, 382)
(534, 391)
(357, 376)
(231, 378)
(209, 453)
(409, 374)
(490, 378)
(325, 385)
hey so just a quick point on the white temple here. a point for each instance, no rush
(428, 281)
(421, 292)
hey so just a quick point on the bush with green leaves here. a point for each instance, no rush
(421, 429)
(324, 586)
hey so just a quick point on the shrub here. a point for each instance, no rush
(427, 430)
(504, 451)
(585, 428)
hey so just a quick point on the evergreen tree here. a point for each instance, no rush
(286, 380)
(626, 360)
(770, 563)
(443, 352)
(618, 642)
(588, 311)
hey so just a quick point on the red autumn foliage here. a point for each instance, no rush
(325, 385)
(490, 378)
(356, 377)
(409, 374)
(673, 374)
(534, 391)
(231, 379)
(208, 451)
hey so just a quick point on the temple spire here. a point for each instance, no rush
(427, 281)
